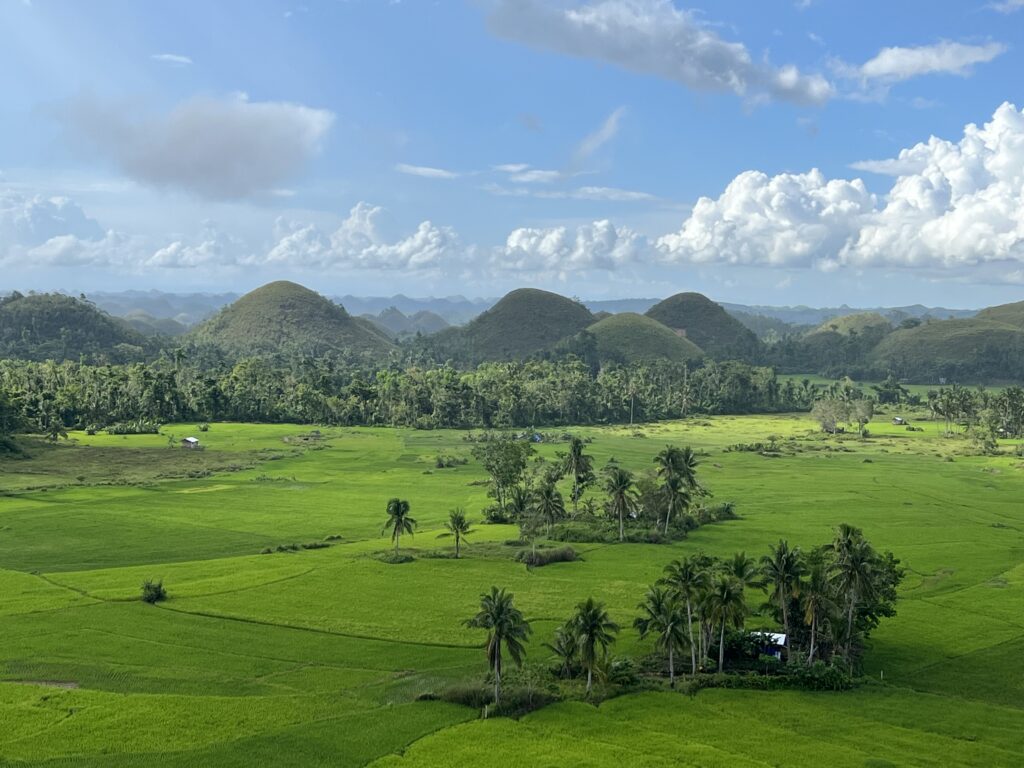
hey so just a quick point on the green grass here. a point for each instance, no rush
(317, 657)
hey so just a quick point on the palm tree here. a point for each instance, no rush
(458, 526)
(681, 462)
(580, 467)
(565, 647)
(506, 630)
(744, 570)
(816, 600)
(595, 632)
(398, 521)
(548, 504)
(677, 496)
(662, 616)
(724, 605)
(688, 579)
(622, 499)
(782, 569)
(854, 570)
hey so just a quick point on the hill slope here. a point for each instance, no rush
(52, 326)
(853, 324)
(707, 325)
(398, 324)
(957, 350)
(629, 337)
(525, 322)
(1010, 314)
(287, 318)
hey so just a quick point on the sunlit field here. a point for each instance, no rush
(328, 656)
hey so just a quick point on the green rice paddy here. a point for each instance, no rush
(318, 657)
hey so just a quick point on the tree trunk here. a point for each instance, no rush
(497, 679)
(721, 648)
(671, 668)
(456, 546)
(590, 679)
(622, 528)
(398, 537)
(849, 625)
(814, 632)
(785, 626)
(689, 629)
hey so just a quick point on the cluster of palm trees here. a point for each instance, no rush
(399, 522)
(829, 598)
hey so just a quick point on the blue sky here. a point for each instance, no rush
(602, 148)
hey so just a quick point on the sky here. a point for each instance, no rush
(773, 152)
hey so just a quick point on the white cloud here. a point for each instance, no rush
(425, 171)
(607, 194)
(953, 206)
(1007, 6)
(605, 133)
(174, 59)
(536, 176)
(359, 244)
(654, 37)
(214, 247)
(32, 220)
(215, 148)
(511, 167)
(599, 245)
(895, 64)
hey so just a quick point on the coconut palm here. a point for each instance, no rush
(507, 630)
(680, 462)
(816, 601)
(687, 578)
(677, 497)
(622, 498)
(458, 527)
(661, 615)
(724, 606)
(565, 647)
(548, 505)
(398, 521)
(744, 570)
(782, 568)
(580, 468)
(854, 570)
(595, 632)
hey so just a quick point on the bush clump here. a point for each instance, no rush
(542, 557)
(392, 558)
(153, 591)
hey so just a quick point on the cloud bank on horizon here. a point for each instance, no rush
(513, 207)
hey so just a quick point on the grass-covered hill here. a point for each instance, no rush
(397, 324)
(1009, 314)
(286, 318)
(525, 322)
(629, 337)
(973, 350)
(52, 326)
(147, 325)
(848, 325)
(707, 325)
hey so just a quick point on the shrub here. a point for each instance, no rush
(333, 537)
(392, 559)
(445, 461)
(315, 545)
(137, 427)
(153, 591)
(204, 427)
(542, 557)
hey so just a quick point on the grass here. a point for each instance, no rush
(317, 657)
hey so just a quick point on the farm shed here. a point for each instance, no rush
(191, 443)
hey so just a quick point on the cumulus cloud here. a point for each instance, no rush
(359, 244)
(600, 245)
(215, 148)
(953, 205)
(654, 37)
(425, 171)
(213, 248)
(32, 220)
(895, 64)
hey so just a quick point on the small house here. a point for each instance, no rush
(772, 643)
(899, 421)
(191, 443)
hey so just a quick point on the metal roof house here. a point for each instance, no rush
(773, 643)
(190, 442)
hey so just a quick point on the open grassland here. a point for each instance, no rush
(318, 657)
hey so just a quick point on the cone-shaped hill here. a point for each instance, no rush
(628, 338)
(854, 324)
(287, 318)
(707, 325)
(1009, 314)
(524, 322)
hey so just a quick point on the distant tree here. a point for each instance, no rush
(744, 569)
(853, 571)
(816, 600)
(580, 467)
(724, 606)
(153, 591)
(566, 648)
(505, 460)
(458, 527)
(548, 505)
(595, 633)
(621, 490)
(688, 578)
(661, 615)
(398, 521)
(507, 630)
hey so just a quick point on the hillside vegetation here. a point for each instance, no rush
(853, 324)
(707, 325)
(1010, 314)
(52, 326)
(630, 338)
(286, 318)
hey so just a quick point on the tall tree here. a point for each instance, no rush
(854, 571)
(507, 630)
(621, 490)
(548, 505)
(580, 467)
(661, 615)
(458, 527)
(688, 578)
(816, 600)
(398, 521)
(725, 606)
(595, 633)
(782, 569)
